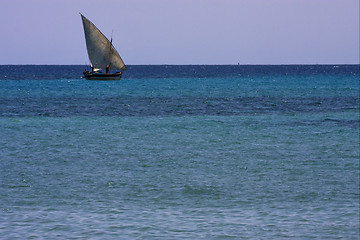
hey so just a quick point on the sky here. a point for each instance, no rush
(183, 31)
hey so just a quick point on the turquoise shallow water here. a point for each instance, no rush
(269, 156)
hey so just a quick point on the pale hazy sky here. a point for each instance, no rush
(183, 31)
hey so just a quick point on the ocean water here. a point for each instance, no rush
(180, 152)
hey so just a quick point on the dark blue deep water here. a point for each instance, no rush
(180, 152)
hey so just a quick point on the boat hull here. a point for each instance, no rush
(102, 76)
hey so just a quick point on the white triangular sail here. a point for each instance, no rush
(100, 50)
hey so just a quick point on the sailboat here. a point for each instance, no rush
(102, 54)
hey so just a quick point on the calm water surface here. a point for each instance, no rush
(180, 152)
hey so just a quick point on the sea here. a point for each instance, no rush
(180, 152)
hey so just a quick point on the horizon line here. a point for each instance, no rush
(287, 64)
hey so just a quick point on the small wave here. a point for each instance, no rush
(201, 190)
